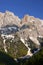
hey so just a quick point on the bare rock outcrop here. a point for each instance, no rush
(8, 18)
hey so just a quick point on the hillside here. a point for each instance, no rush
(36, 59)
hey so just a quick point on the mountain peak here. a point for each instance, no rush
(19, 37)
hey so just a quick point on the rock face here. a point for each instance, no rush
(8, 18)
(30, 23)
(1, 18)
(29, 32)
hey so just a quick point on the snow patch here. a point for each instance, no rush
(5, 46)
(22, 40)
(34, 40)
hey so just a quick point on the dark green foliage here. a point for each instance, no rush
(17, 49)
(36, 59)
(5, 59)
(1, 44)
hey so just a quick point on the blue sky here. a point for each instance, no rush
(22, 7)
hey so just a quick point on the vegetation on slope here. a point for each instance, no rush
(15, 48)
(36, 59)
(1, 44)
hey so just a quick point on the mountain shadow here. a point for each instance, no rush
(5, 59)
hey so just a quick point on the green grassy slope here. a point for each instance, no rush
(36, 59)
(15, 48)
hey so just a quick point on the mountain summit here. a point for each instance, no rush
(8, 18)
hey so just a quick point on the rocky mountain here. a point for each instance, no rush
(20, 37)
